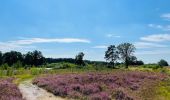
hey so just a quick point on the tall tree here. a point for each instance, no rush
(28, 58)
(12, 57)
(79, 58)
(38, 58)
(126, 51)
(1, 59)
(111, 54)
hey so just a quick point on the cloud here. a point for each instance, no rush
(152, 52)
(164, 28)
(166, 16)
(49, 40)
(100, 47)
(156, 38)
(155, 26)
(112, 35)
(148, 45)
(26, 43)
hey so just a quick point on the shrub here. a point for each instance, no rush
(97, 86)
(9, 91)
(4, 66)
(163, 63)
(153, 66)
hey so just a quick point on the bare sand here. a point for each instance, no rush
(33, 92)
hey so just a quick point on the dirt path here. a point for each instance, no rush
(33, 92)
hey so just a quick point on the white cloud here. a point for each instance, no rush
(112, 35)
(49, 40)
(156, 38)
(155, 26)
(164, 28)
(148, 45)
(26, 43)
(166, 16)
(152, 52)
(100, 47)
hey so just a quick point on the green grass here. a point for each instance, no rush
(163, 91)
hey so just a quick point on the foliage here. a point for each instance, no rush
(17, 65)
(153, 66)
(16, 59)
(126, 51)
(12, 57)
(111, 54)
(34, 58)
(79, 59)
(163, 63)
(1, 58)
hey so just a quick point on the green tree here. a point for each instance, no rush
(12, 57)
(28, 59)
(111, 55)
(163, 62)
(38, 58)
(79, 59)
(1, 58)
(126, 51)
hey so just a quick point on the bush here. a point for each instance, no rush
(153, 66)
(17, 65)
(163, 63)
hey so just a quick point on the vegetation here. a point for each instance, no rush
(76, 78)
(79, 59)
(163, 63)
(16, 59)
(111, 54)
(117, 85)
(126, 51)
(9, 91)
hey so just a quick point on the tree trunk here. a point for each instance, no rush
(126, 63)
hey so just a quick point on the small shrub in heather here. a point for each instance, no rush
(9, 91)
(120, 95)
(98, 86)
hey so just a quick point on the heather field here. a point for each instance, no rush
(9, 91)
(118, 85)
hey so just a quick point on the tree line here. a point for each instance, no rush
(34, 58)
(114, 54)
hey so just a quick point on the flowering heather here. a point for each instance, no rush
(121, 85)
(9, 91)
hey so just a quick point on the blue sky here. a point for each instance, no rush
(62, 28)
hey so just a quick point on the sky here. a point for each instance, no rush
(62, 28)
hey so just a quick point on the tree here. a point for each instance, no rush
(28, 58)
(12, 57)
(163, 62)
(111, 54)
(79, 59)
(34, 58)
(133, 61)
(38, 58)
(1, 59)
(126, 51)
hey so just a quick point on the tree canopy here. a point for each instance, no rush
(126, 51)
(79, 58)
(111, 55)
(163, 62)
(13, 57)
